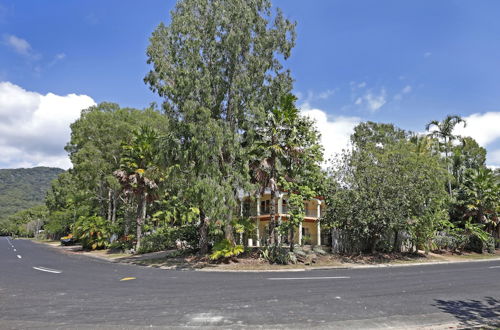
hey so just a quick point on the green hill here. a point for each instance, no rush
(22, 188)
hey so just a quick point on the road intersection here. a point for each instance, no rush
(44, 288)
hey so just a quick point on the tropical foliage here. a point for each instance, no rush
(173, 176)
(225, 250)
(93, 232)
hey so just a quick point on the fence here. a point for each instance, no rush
(344, 242)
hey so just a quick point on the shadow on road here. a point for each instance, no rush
(472, 312)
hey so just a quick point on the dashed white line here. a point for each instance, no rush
(494, 267)
(19, 256)
(9, 241)
(307, 278)
(48, 270)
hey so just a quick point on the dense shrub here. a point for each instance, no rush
(168, 237)
(123, 243)
(188, 236)
(463, 240)
(226, 250)
(278, 255)
(476, 244)
(161, 239)
(93, 232)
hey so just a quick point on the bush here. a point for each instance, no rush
(93, 232)
(279, 255)
(458, 239)
(166, 237)
(123, 243)
(161, 239)
(479, 245)
(188, 235)
(225, 250)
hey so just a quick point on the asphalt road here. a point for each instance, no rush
(40, 287)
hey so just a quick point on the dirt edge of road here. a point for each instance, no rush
(169, 260)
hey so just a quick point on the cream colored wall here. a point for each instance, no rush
(311, 226)
(313, 230)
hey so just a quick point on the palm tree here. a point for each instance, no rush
(270, 153)
(480, 195)
(422, 144)
(444, 131)
(139, 173)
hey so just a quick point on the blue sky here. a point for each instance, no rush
(405, 62)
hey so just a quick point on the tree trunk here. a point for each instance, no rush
(292, 236)
(447, 165)
(126, 223)
(203, 232)
(113, 212)
(336, 240)
(141, 215)
(272, 221)
(395, 245)
(228, 228)
(110, 204)
(374, 244)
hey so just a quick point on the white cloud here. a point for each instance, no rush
(314, 96)
(407, 89)
(374, 101)
(34, 128)
(17, 44)
(60, 56)
(335, 131)
(57, 58)
(483, 127)
(494, 158)
(326, 94)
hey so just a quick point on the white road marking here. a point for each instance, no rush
(19, 256)
(307, 278)
(494, 267)
(9, 241)
(48, 270)
(15, 250)
(205, 318)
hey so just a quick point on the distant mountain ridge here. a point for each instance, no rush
(22, 188)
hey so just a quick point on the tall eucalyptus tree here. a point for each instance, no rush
(217, 66)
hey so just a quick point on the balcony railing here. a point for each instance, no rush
(311, 213)
(252, 211)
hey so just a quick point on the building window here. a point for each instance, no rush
(265, 207)
(284, 207)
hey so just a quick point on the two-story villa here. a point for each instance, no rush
(309, 231)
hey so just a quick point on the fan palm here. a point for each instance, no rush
(270, 154)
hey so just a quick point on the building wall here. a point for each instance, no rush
(310, 228)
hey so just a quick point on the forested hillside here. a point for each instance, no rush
(22, 188)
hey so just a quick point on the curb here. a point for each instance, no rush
(215, 270)
(346, 267)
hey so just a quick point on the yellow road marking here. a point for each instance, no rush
(127, 279)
